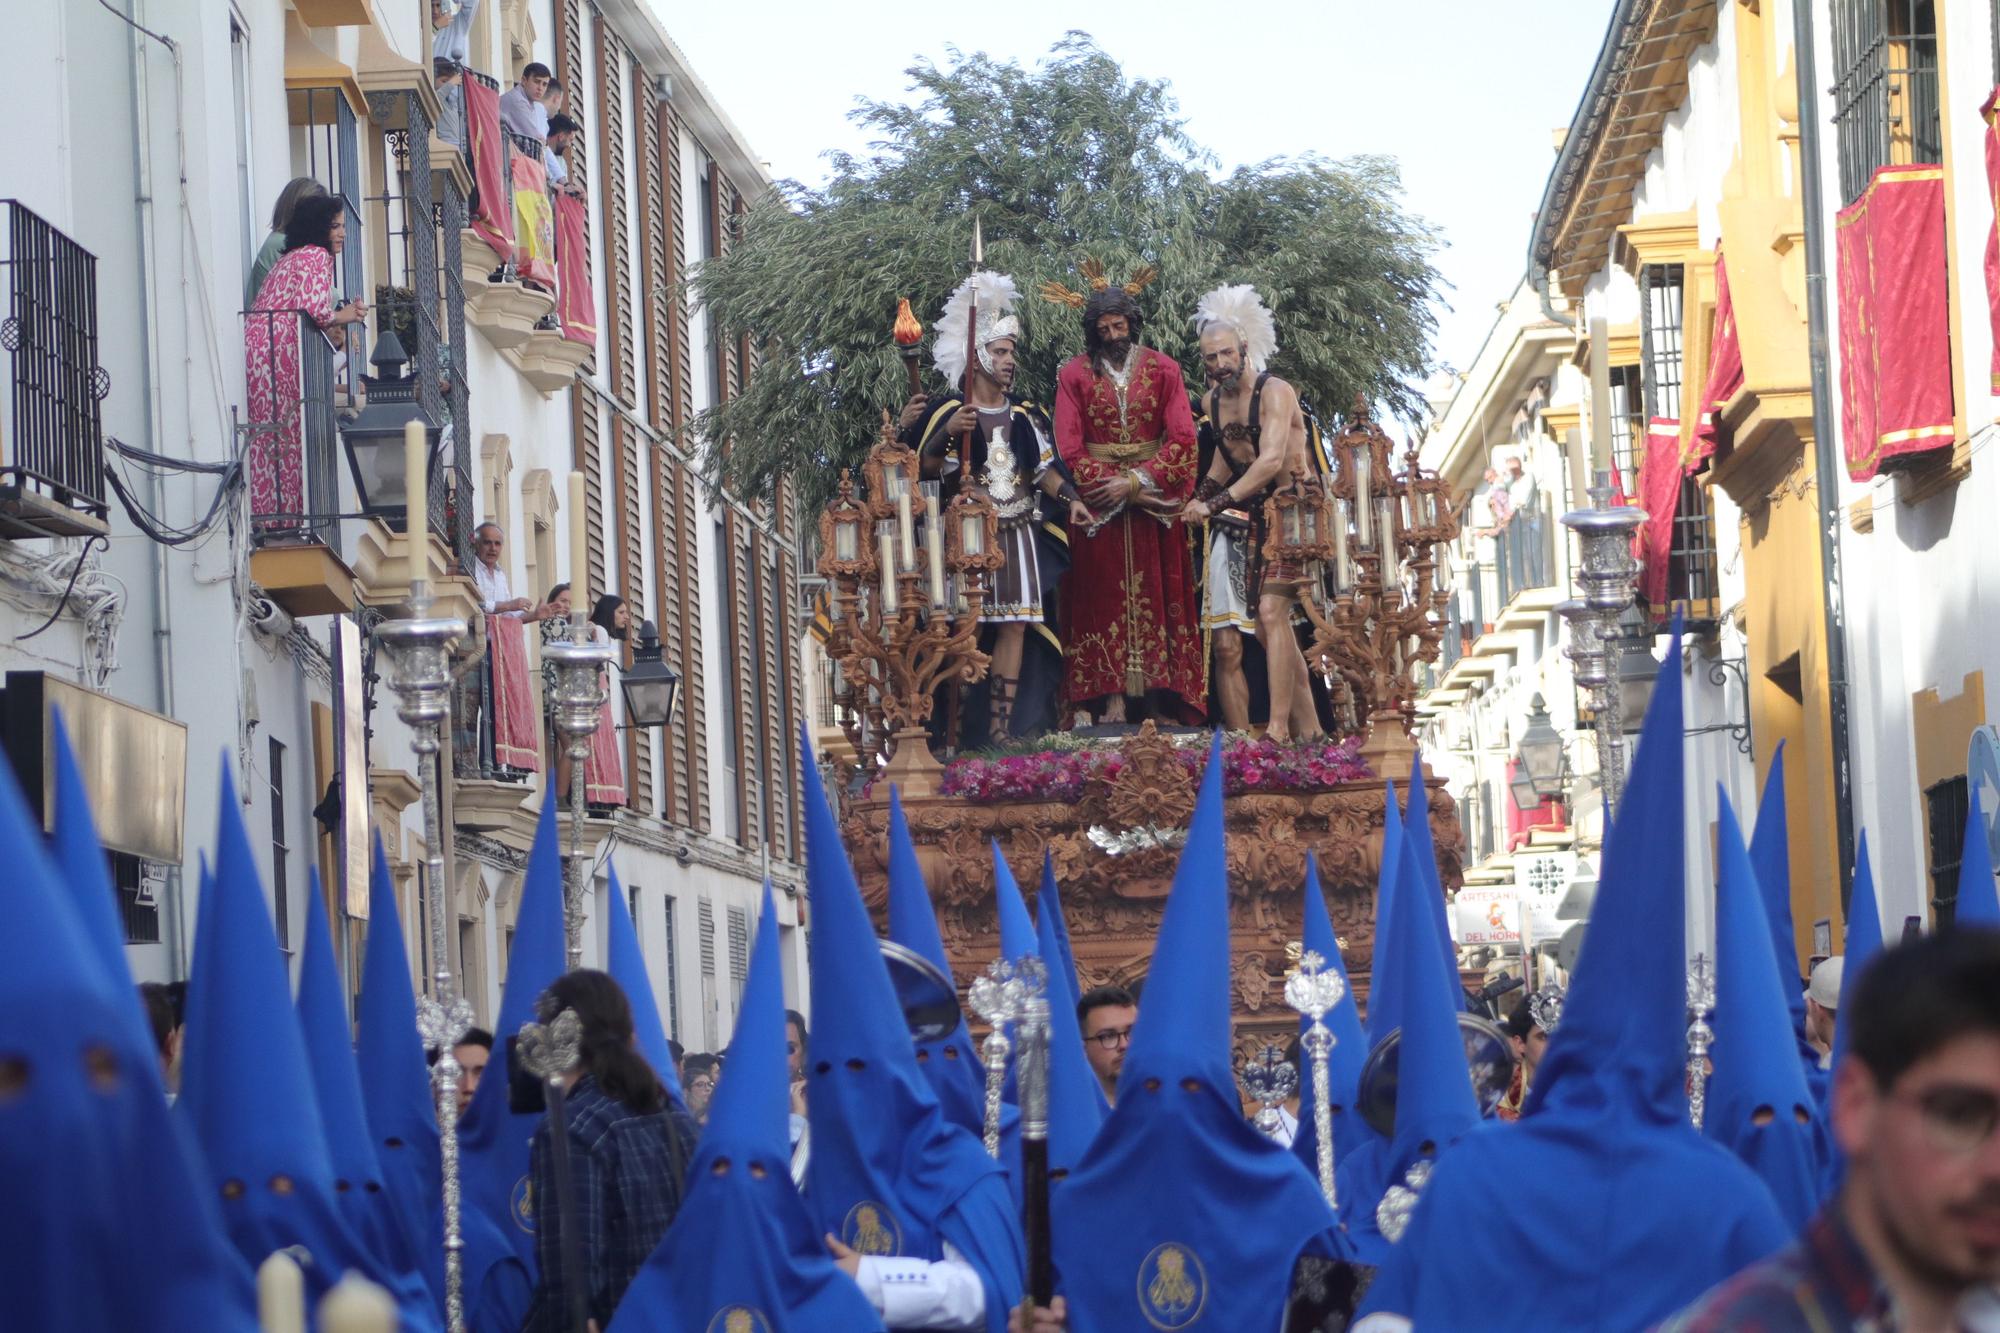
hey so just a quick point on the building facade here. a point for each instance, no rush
(198, 626)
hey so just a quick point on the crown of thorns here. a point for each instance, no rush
(1093, 274)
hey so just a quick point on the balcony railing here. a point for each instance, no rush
(1524, 552)
(51, 426)
(290, 422)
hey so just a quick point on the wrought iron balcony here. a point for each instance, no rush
(290, 420)
(51, 426)
(1524, 552)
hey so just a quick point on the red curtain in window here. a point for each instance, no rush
(493, 218)
(1895, 331)
(1659, 496)
(578, 306)
(1725, 372)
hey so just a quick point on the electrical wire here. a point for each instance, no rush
(75, 573)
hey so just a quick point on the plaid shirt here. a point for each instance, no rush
(628, 1173)
(1821, 1283)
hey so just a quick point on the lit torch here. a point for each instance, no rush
(909, 334)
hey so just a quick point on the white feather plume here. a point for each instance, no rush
(1240, 308)
(996, 294)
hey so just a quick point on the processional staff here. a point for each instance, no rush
(1314, 990)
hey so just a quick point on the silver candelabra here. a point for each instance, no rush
(419, 651)
(1607, 573)
(578, 709)
(1701, 1003)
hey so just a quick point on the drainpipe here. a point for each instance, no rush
(149, 343)
(1827, 463)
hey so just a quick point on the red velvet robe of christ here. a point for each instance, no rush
(1131, 620)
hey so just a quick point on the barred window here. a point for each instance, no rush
(1660, 287)
(1885, 93)
(1628, 424)
(1945, 809)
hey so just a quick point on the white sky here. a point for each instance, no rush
(1464, 94)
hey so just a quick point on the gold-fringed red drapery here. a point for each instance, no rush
(1895, 331)
(1991, 112)
(1659, 496)
(1725, 373)
(493, 204)
(576, 308)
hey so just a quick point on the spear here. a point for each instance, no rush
(971, 353)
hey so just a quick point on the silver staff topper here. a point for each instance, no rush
(1000, 995)
(1313, 991)
(1270, 1079)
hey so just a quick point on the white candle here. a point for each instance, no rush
(281, 1293)
(356, 1305)
(579, 549)
(888, 575)
(934, 545)
(905, 528)
(1362, 512)
(417, 490)
(1343, 575)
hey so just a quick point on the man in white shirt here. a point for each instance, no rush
(451, 25)
(496, 596)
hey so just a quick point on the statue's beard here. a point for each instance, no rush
(1226, 380)
(1115, 350)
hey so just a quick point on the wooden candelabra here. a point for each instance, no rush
(905, 614)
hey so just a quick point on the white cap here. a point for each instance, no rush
(1824, 987)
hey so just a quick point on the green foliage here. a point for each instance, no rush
(1062, 162)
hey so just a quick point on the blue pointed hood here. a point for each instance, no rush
(1417, 835)
(370, 1209)
(1017, 928)
(743, 1243)
(888, 1173)
(1605, 1125)
(1978, 897)
(79, 859)
(1055, 931)
(1350, 1042)
(1076, 1099)
(1435, 1102)
(493, 1141)
(395, 1083)
(247, 1090)
(1623, 1034)
(1757, 1077)
(1864, 941)
(1180, 1204)
(627, 965)
(1380, 974)
(1771, 862)
(91, 1163)
(950, 1064)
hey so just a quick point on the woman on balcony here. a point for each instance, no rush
(300, 287)
(603, 774)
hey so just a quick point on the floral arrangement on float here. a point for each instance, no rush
(1062, 766)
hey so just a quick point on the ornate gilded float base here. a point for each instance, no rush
(1112, 899)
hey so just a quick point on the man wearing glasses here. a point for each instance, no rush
(1107, 1015)
(1914, 1234)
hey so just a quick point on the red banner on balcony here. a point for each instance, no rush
(1895, 330)
(534, 223)
(1659, 496)
(493, 215)
(603, 774)
(514, 715)
(1992, 115)
(1725, 372)
(576, 304)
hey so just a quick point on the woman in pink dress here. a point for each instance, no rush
(301, 282)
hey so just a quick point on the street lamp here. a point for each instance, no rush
(652, 688)
(1539, 767)
(374, 439)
